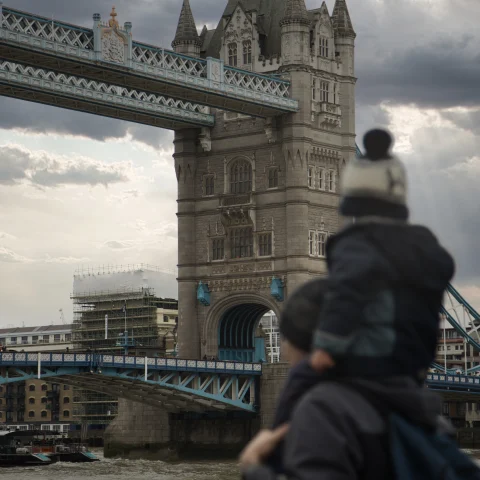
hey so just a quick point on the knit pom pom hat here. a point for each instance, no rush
(376, 184)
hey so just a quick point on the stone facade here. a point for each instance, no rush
(257, 197)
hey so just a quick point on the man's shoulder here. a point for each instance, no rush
(343, 404)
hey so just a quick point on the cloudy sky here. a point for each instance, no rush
(82, 190)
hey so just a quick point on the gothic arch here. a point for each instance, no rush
(256, 306)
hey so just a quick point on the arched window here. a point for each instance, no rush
(66, 413)
(44, 414)
(31, 388)
(44, 399)
(247, 52)
(232, 54)
(241, 177)
(31, 414)
(66, 400)
(31, 401)
(44, 387)
(242, 242)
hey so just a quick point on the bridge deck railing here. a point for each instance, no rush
(12, 359)
(67, 39)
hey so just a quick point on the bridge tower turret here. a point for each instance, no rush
(187, 40)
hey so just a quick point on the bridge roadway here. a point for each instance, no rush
(174, 384)
(56, 47)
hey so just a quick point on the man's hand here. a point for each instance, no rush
(321, 361)
(261, 446)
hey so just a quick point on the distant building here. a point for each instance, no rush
(269, 324)
(48, 406)
(37, 339)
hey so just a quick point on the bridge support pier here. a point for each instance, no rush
(143, 431)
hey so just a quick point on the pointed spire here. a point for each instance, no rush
(295, 12)
(186, 29)
(342, 23)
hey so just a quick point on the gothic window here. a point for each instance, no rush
(311, 177)
(209, 186)
(325, 91)
(321, 243)
(317, 242)
(320, 180)
(324, 47)
(312, 42)
(232, 54)
(247, 52)
(331, 181)
(314, 88)
(311, 243)
(241, 177)
(242, 242)
(218, 249)
(273, 177)
(265, 245)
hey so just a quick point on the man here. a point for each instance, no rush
(325, 429)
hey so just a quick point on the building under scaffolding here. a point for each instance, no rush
(124, 309)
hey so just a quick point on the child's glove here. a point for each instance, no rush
(321, 361)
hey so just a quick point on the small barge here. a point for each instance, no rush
(30, 447)
(15, 453)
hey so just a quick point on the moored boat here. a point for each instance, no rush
(16, 450)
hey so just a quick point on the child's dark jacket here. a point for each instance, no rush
(385, 290)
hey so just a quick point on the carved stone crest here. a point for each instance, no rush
(113, 47)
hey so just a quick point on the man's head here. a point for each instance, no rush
(299, 318)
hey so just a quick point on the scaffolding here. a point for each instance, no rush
(110, 305)
(100, 320)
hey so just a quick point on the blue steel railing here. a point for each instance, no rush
(465, 381)
(12, 359)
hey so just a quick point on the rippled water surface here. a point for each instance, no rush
(109, 469)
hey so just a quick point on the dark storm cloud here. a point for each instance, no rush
(440, 75)
(36, 118)
(18, 165)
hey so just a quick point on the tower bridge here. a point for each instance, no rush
(263, 110)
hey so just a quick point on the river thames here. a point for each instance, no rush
(111, 469)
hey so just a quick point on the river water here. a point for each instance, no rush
(110, 469)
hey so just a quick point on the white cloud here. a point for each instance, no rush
(42, 169)
(9, 256)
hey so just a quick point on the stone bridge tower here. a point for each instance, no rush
(257, 198)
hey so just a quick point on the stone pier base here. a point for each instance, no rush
(142, 431)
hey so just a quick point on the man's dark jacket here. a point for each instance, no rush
(338, 431)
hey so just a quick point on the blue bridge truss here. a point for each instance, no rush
(173, 384)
